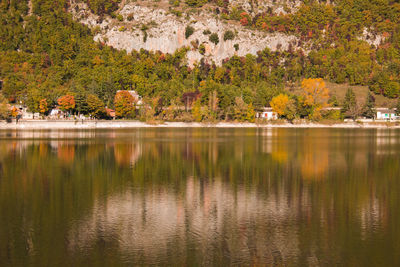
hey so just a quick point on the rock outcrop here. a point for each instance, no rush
(156, 29)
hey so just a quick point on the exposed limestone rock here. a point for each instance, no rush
(166, 32)
(372, 39)
(277, 6)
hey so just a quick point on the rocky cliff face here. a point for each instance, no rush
(154, 27)
(158, 26)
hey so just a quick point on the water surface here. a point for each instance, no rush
(200, 197)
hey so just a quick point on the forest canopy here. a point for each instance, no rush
(45, 54)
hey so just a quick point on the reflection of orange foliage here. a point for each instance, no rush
(314, 165)
(315, 95)
(126, 154)
(66, 153)
(315, 159)
(280, 148)
(121, 154)
(43, 149)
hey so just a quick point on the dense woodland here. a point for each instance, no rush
(46, 55)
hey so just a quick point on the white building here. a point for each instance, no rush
(386, 114)
(267, 114)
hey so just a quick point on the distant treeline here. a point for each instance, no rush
(47, 54)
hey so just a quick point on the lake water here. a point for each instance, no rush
(200, 197)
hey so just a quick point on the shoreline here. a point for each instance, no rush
(121, 124)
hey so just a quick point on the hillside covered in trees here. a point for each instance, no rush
(45, 53)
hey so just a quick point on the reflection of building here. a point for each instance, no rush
(386, 141)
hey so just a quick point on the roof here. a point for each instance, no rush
(386, 110)
(110, 112)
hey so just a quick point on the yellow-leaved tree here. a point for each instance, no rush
(283, 106)
(279, 104)
(315, 97)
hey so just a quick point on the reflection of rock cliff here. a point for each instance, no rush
(160, 220)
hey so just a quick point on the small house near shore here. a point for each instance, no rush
(386, 114)
(267, 114)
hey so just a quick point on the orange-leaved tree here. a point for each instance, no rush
(124, 104)
(66, 103)
(43, 106)
(315, 96)
(14, 112)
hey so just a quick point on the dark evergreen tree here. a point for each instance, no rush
(398, 107)
(349, 101)
(369, 107)
(350, 107)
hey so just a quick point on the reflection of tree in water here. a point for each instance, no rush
(43, 149)
(127, 154)
(206, 196)
(314, 159)
(207, 215)
(66, 152)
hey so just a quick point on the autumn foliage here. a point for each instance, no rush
(14, 112)
(124, 104)
(279, 104)
(284, 106)
(43, 106)
(66, 102)
(315, 96)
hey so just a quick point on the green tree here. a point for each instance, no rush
(229, 35)
(349, 104)
(95, 106)
(195, 3)
(369, 107)
(214, 38)
(240, 109)
(250, 113)
(398, 107)
(81, 104)
(4, 108)
(189, 30)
